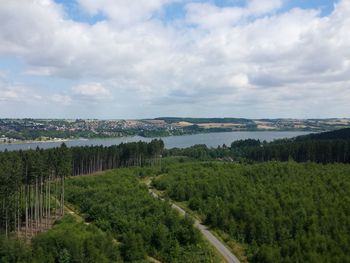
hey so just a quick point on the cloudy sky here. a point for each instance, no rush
(150, 58)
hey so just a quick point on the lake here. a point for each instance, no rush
(210, 139)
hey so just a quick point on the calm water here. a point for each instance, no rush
(210, 139)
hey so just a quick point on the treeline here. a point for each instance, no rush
(90, 159)
(328, 147)
(320, 151)
(32, 182)
(281, 212)
(341, 134)
(32, 189)
(200, 152)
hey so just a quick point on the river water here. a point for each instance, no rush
(210, 139)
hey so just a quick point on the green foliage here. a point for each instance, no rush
(143, 224)
(13, 251)
(326, 147)
(28, 168)
(200, 152)
(321, 151)
(284, 212)
(70, 241)
(341, 134)
(133, 247)
(90, 159)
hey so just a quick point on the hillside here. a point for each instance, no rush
(341, 134)
(12, 130)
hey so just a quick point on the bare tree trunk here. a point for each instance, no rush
(49, 199)
(55, 195)
(36, 203)
(41, 202)
(26, 204)
(46, 203)
(32, 195)
(19, 210)
(62, 202)
(6, 221)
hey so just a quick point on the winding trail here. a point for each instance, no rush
(220, 247)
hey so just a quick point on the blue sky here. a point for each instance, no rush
(176, 10)
(124, 59)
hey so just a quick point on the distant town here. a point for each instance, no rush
(19, 130)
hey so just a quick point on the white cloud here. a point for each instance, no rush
(17, 94)
(258, 7)
(124, 11)
(91, 91)
(253, 59)
(210, 16)
(61, 99)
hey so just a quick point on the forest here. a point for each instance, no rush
(67, 241)
(327, 147)
(119, 204)
(121, 222)
(280, 211)
(32, 191)
(30, 179)
(283, 201)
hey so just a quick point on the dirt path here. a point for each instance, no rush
(220, 247)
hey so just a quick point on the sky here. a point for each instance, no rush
(129, 59)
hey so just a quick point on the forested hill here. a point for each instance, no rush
(326, 147)
(342, 134)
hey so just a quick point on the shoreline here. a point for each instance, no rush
(34, 141)
(146, 137)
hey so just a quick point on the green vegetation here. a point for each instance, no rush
(200, 152)
(272, 211)
(281, 212)
(31, 179)
(32, 188)
(327, 147)
(118, 203)
(13, 251)
(70, 241)
(67, 241)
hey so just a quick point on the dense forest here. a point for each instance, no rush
(67, 241)
(282, 212)
(90, 159)
(121, 222)
(119, 204)
(291, 211)
(32, 188)
(327, 147)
